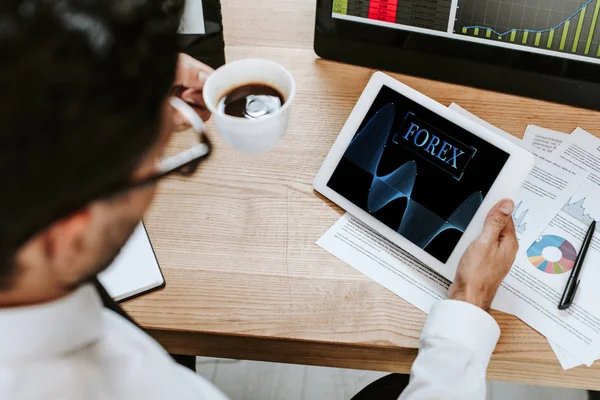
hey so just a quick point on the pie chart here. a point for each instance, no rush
(552, 255)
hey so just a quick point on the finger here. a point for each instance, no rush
(181, 123)
(191, 73)
(193, 97)
(204, 113)
(508, 238)
(499, 216)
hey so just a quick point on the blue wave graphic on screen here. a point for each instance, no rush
(419, 224)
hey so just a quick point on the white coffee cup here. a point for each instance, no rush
(250, 135)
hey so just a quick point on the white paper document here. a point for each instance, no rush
(566, 359)
(538, 278)
(382, 261)
(543, 194)
(548, 196)
(542, 141)
(551, 184)
(580, 152)
(548, 188)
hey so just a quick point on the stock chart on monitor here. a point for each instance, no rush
(561, 28)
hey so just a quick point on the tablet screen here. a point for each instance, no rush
(418, 173)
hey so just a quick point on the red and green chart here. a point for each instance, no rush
(428, 14)
(552, 255)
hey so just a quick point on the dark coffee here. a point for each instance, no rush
(252, 101)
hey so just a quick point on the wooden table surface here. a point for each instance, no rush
(237, 241)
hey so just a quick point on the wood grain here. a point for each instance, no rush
(237, 241)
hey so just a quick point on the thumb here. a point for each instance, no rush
(191, 73)
(498, 218)
(508, 238)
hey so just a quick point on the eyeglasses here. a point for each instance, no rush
(187, 161)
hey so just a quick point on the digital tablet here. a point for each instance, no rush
(418, 173)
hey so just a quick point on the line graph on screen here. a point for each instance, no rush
(561, 26)
(419, 224)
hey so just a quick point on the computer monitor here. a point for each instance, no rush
(201, 31)
(547, 49)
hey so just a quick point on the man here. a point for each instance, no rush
(84, 117)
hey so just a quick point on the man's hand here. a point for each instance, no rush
(190, 78)
(488, 259)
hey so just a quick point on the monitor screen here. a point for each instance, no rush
(563, 28)
(201, 32)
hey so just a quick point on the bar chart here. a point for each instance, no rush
(564, 26)
(428, 14)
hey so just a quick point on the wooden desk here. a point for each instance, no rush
(237, 242)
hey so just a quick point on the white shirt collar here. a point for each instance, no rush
(50, 329)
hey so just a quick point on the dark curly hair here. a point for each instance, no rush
(81, 86)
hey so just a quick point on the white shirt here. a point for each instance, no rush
(73, 349)
(456, 346)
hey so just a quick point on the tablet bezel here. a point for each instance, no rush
(510, 179)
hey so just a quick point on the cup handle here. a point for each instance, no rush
(188, 112)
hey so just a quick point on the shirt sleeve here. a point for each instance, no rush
(456, 346)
